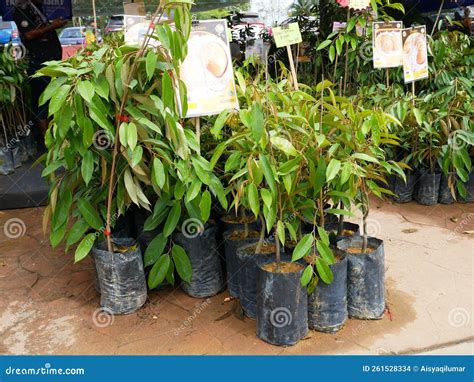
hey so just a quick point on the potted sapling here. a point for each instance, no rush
(102, 138)
(365, 255)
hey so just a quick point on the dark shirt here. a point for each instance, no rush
(45, 48)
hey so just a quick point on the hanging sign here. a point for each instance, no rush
(137, 8)
(207, 70)
(354, 4)
(415, 54)
(387, 44)
(52, 9)
(287, 35)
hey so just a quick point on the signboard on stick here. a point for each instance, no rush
(207, 70)
(387, 44)
(287, 35)
(415, 54)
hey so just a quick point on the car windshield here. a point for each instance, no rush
(116, 20)
(5, 25)
(71, 33)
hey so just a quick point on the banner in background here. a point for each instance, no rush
(53, 9)
(207, 70)
(387, 43)
(415, 54)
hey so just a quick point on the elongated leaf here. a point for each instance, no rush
(159, 175)
(205, 206)
(87, 167)
(86, 90)
(303, 247)
(325, 252)
(58, 99)
(307, 275)
(332, 169)
(254, 199)
(159, 271)
(130, 186)
(90, 214)
(151, 60)
(182, 263)
(284, 145)
(172, 220)
(84, 247)
(267, 172)
(324, 271)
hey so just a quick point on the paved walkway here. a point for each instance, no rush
(48, 305)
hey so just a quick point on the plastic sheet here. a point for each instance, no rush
(428, 189)
(121, 277)
(365, 278)
(207, 277)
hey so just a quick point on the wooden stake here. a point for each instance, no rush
(197, 123)
(388, 77)
(292, 67)
(413, 91)
(346, 65)
(95, 20)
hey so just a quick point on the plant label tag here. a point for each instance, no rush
(387, 44)
(415, 54)
(287, 35)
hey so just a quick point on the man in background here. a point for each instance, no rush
(42, 44)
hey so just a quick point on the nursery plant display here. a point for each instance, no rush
(117, 140)
(16, 143)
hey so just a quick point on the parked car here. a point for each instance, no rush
(77, 35)
(116, 24)
(9, 33)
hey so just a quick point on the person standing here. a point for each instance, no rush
(42, 44)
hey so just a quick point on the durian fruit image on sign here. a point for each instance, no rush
(415, 54)
(207, 70)
(388, 45)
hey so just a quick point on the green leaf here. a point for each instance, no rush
(87, 167)
(268, 173)
(325, 252)
(284, 145)
(205, 206)
(323, 235)
(307, 275)
(86, 90)
(365, 157)
(172, 220)
(266, 197)
(76, 232)
(84, 247)
(182, 263)
(324, 44)
(58, 235)
(303, 247)
(137, 155)
(281, 232)
(130, 186)
(90, 214)
(332, 169)
(256, 122)
(132, 135)
(254, 199)
(151, 60)
(167, 90)
(324, 271)
(159, 175)
(193, 190)
(58, 99)
(158, 272)
(319, 177)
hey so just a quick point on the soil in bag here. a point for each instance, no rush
(365, 277)
(207, 275)
(327, 305)
(121, 276)
(232, 241)
(403, 190)
(282, 303)
(427, 192)
(445, 194)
